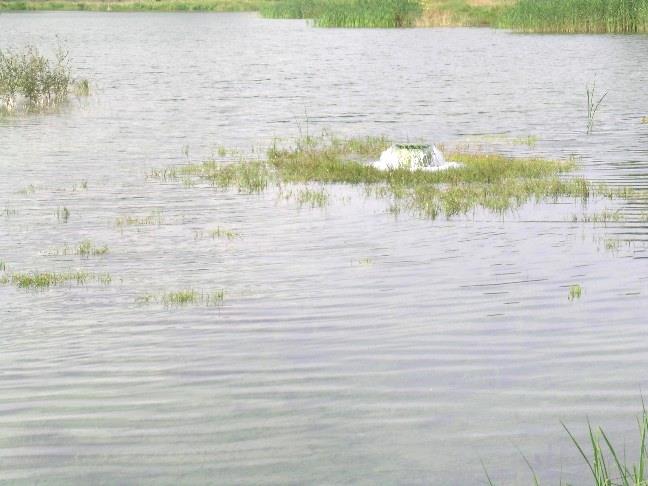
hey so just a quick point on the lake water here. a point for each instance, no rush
(352, 346)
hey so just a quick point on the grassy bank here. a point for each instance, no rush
(347, 13)
(577, 16)
(137, 5)
(490, 181)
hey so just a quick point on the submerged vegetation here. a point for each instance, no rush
(31, 82)
(491, 181)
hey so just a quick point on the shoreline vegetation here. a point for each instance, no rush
(544, 16)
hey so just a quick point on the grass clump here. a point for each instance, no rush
(644, 120)
(29, 79)
(577, 16)
(223, 233)
(347, 13)
(575, 292)
(464, 13)
(44, 280)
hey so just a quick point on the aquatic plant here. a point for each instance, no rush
(575, 292)
(44, 280)
(572, 16)
(82, 87)
(347, 13)
(592, 105)
(3, 266)
(460, 13)
(644, 120)
(84, 249)
(28, 76)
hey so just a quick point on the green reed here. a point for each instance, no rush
(347, 13)
(577, 16)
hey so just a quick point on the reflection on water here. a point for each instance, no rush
(352, 346)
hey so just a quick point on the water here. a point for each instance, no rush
(352, 346)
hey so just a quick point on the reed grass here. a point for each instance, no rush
(461, 13)
(153, 219)
(577, 16)
(347, 13)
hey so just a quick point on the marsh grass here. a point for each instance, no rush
(183, 298)
(644, 120)
(464, 13)
(45, 280)
(3, 266)
(575, 292)
(577, 16)
(81, 87)
(492, 181)
(347, 13)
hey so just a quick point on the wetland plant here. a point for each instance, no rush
(153, 219)
(62, 215)
(29, 79)
(347, 13)
(592, 105)
(644, 120)
(223, 233)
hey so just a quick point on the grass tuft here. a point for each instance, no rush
(45, 280)
(575, 292)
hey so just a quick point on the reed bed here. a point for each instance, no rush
(577, 16)
(347, 13)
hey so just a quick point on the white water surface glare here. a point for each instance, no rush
(352, 345)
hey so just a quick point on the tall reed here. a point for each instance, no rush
(577, 16)
(348, 13)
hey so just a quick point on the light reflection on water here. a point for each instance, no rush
(352, 346)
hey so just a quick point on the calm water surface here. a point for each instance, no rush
(352, 346)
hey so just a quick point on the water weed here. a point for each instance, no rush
(84, 249)
(223, 233)
(605, 216)
(644, 120)
(62, 215)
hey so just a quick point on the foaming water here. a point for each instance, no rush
(352, 345)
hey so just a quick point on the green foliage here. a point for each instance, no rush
(575, 292)
(347, 13)
(30, 77)
(572, 16)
